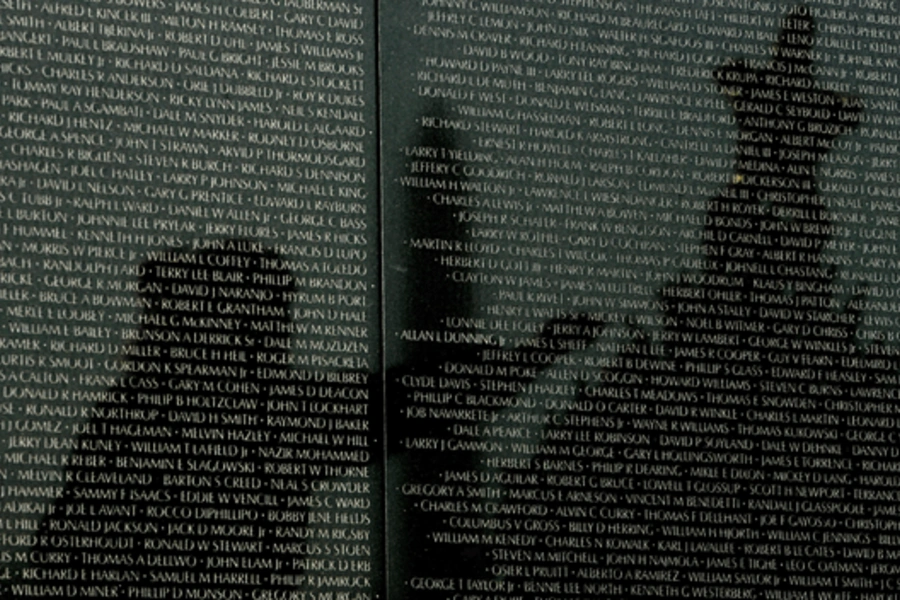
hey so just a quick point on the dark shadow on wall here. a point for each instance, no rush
(430, 295)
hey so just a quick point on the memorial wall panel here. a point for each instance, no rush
(190, 300)
(451, 299)
(646, 257)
